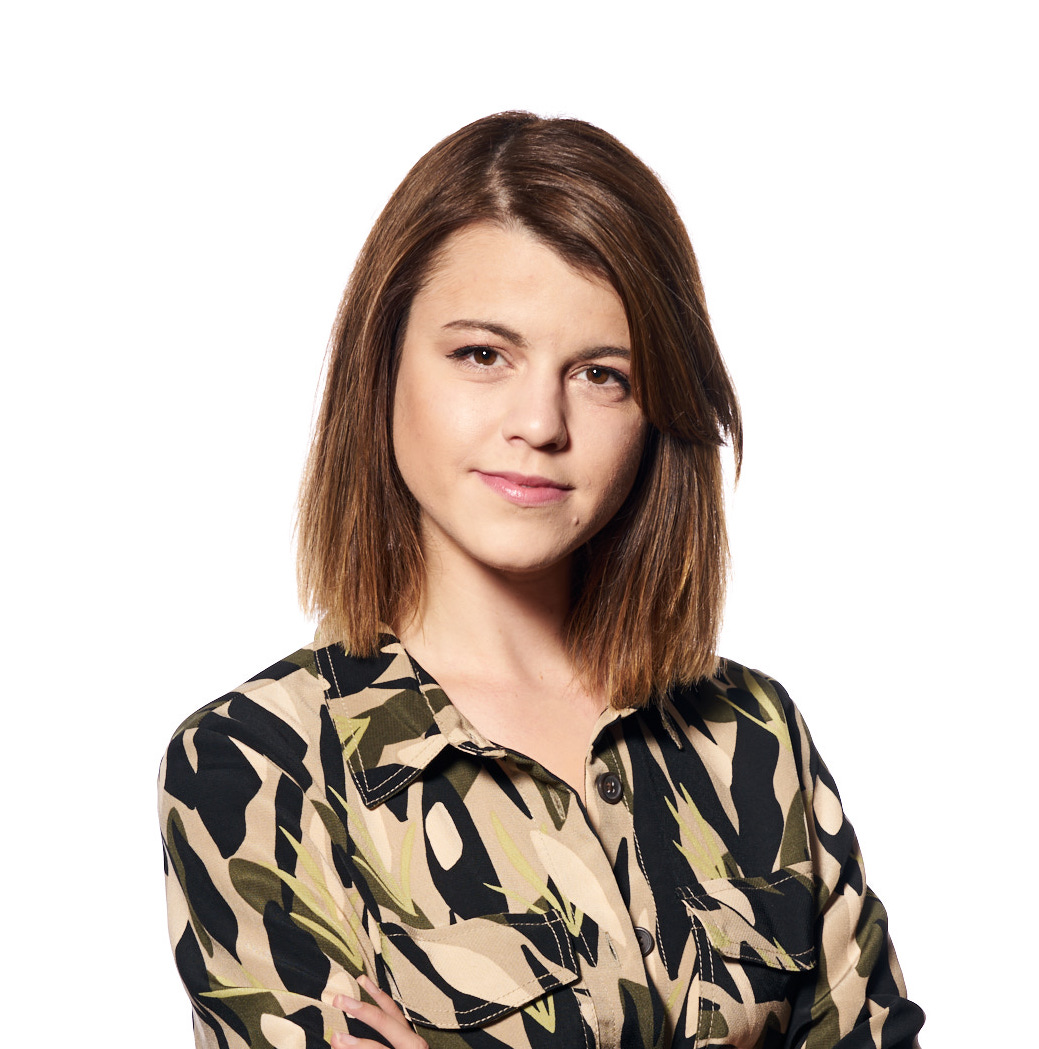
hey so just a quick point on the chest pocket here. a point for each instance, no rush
(756, 943)
(481, 969)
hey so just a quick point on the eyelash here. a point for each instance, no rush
(619, 377)
(467, 351)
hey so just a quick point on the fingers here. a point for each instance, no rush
(383, 1000)
(382, 1015)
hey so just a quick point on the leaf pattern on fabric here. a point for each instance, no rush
(698, 842)
(337, 816)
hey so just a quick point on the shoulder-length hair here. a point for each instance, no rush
(649, 588)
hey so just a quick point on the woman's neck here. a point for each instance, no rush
(496, 645)
(472, 616)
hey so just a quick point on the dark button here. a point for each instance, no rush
(610, 788)
(645, 939)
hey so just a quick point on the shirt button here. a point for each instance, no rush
(645, 939)
(610, 788)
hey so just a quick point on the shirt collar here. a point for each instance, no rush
(393, 719)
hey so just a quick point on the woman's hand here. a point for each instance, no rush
(384, 1016)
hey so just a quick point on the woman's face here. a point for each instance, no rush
(513, 423)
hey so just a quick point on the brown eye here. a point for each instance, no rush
(599, 376)
(483, 355)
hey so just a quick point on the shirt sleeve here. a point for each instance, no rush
(857, 998)
(265, 926)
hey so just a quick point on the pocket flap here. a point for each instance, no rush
(768, 920)
(476, 970)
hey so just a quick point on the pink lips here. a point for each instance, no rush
(523, 489)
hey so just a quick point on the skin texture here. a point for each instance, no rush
(554, 405)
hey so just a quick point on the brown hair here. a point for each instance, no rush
(649, 588)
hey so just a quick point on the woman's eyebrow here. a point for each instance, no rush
(500, 330)
(610, 351)
(597, 353)
(516, 339)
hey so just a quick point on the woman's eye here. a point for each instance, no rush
(598, 375)
(477, 354)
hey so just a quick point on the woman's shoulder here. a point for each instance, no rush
(279, 691)
(294, 711)
(275, 715)
(738, 703)
(735, 687)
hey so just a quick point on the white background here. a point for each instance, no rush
(185, 189)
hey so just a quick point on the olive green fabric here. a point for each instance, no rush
(336, 816)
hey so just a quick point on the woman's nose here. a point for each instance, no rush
(536, 413)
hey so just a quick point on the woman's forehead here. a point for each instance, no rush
(507, 276)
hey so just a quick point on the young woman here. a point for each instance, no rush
(510, 796)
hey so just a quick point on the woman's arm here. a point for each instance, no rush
(857, 996)
(267, 931)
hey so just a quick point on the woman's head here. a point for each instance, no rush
(648, 585)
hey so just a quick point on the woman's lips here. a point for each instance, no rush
(523, 489)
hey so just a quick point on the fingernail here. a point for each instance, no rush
(346, 1003)
(341, 1040)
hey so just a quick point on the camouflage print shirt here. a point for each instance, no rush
(338, 815)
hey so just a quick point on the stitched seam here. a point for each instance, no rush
(356, 756)
(638, 852)
(358, 781)
(586, 947)
(521, 988)
(332, 671)
(405, 774)
(686, 891)
(692, 897)
(321, 673)
(660, 945)
(421, 687)
(317, 663)
(335, 682)
(642, 865)
(362, 787)
(586, 1004)
(566, 952)
(361, 779)
(710, 962)
(552, 922)
(699, 932)
(389, 787)
(586, 1027)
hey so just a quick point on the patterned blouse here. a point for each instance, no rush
(338, 816)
